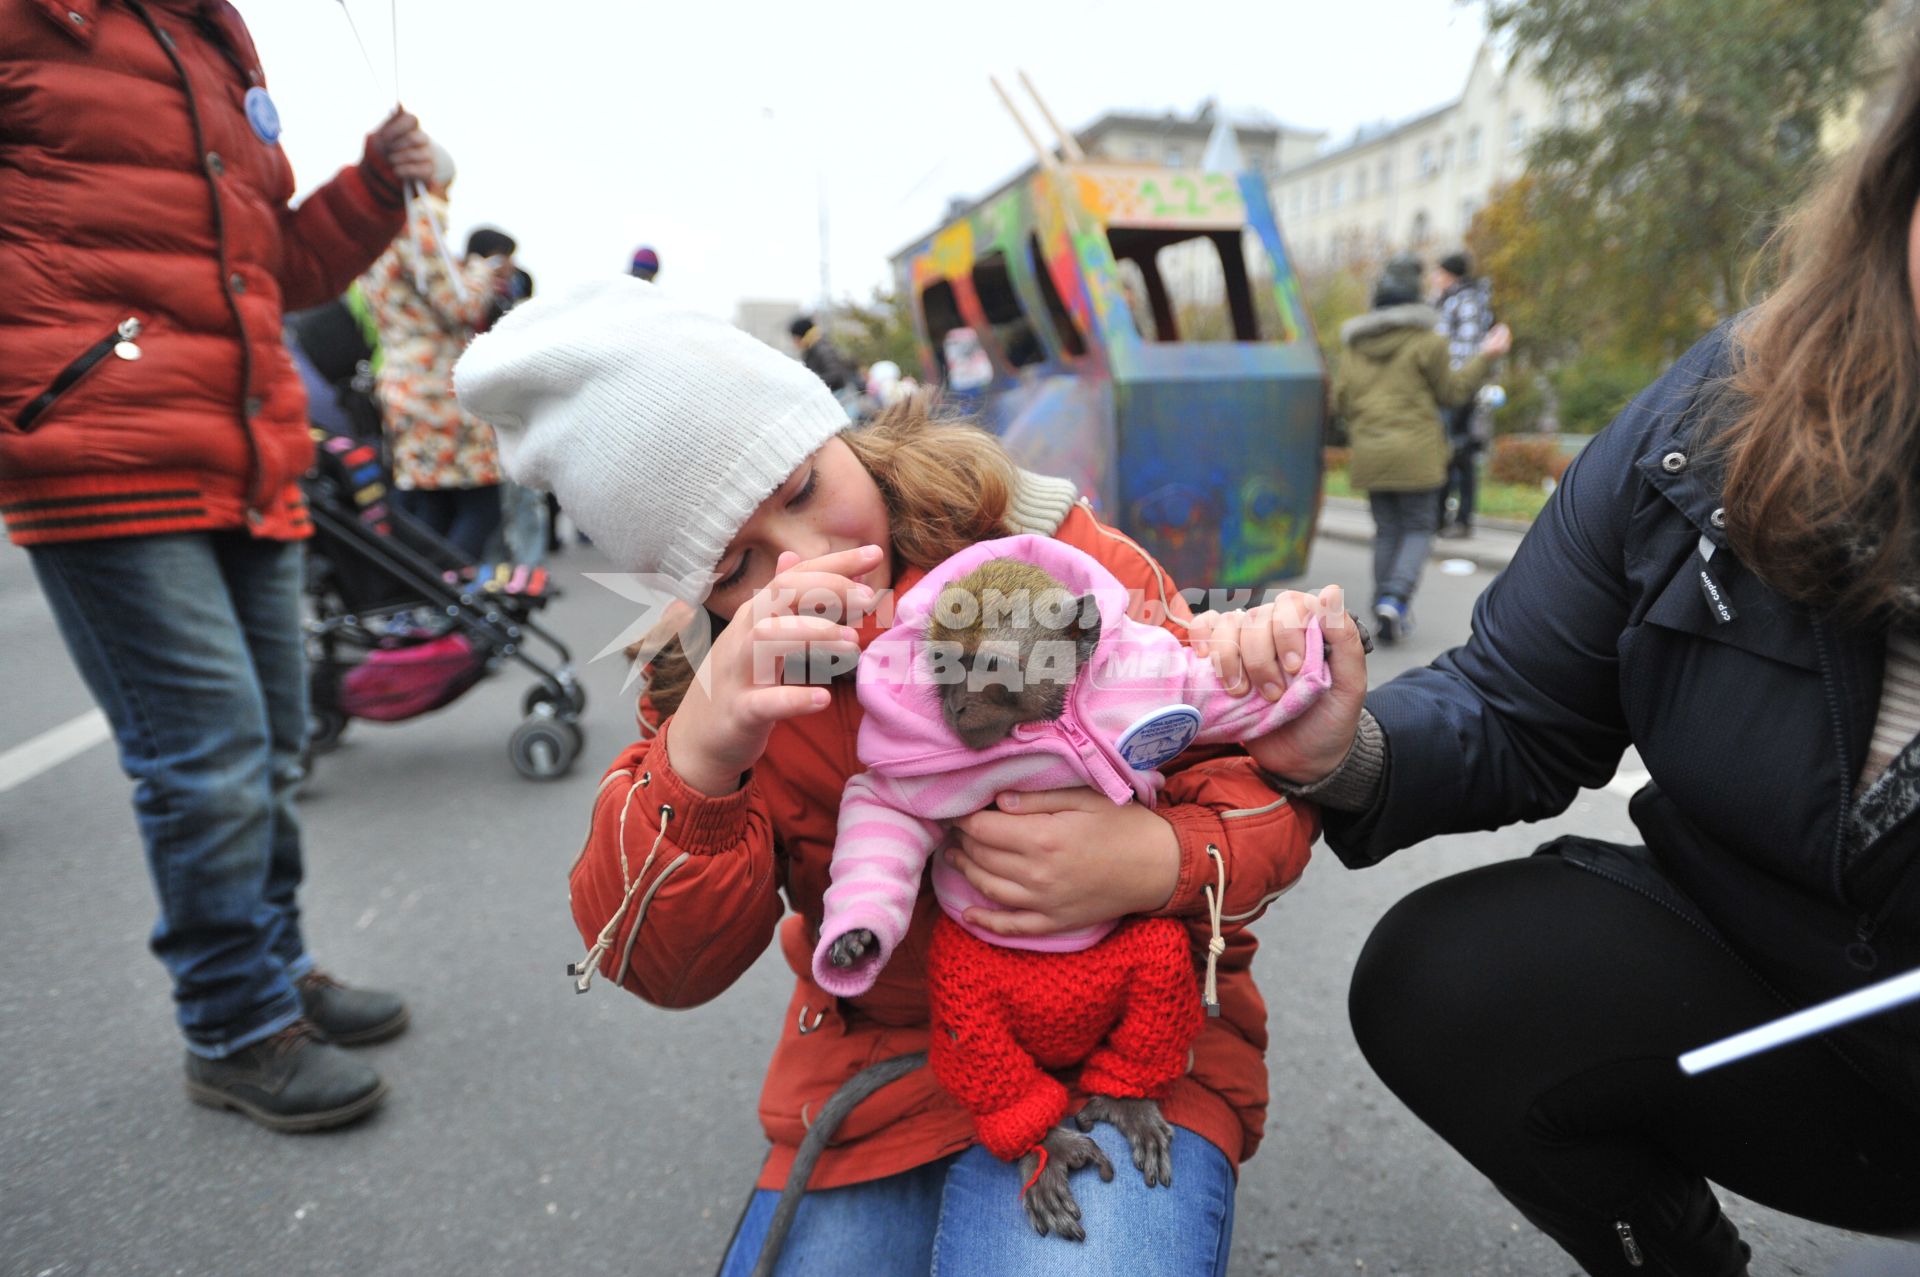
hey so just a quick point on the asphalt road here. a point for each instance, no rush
(533, 1131)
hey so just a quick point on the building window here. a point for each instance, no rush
(1446, 154)
(1141, 151)
(1473, 145)
(1468, 207)
(1299, 199)
(1426, 159)
(1336, 191)
(1360, 183)
(1175, 157)
(1422, 228)
(1386, 174)
(1516, 133)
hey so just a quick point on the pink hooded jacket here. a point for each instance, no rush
(1142, 699)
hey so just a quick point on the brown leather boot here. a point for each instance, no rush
(291, 1082)
(346, 1016)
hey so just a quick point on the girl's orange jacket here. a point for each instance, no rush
(710, 902)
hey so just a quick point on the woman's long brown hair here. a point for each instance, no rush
(1823, 450)
(946, 483)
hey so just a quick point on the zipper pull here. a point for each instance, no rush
(126, 348)
(1629, 1244)
(1861, 952)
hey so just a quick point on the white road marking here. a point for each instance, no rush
(51, 748)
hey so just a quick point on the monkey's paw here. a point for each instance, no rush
(849, 948)
(1049, 1202)
(1148, 1134)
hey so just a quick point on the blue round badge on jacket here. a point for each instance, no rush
(263, 115)
(1159, 737)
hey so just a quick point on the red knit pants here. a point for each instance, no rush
(1126, 1011)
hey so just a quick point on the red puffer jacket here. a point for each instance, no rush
(147, 249)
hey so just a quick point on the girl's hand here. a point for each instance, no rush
(721, 727)
(1262, 647)
(1057, 859)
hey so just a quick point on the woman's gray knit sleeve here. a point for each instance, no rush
(1359, 782)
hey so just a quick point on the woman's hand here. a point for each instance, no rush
(1262, 647)
(721, 727)
(1498, 341)
(406, 148)
(1057, 859)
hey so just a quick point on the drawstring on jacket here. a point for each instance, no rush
(585, 968)
(1215, 946)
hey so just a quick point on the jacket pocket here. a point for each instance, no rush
(120, 342)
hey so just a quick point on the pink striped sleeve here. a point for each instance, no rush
(1226, 718)
(879, 856)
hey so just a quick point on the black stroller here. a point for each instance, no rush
(402, 624)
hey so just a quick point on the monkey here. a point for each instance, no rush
(1010, 646)
(993, 623)
(1016, 639)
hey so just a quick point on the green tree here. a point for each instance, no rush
(881, 328)
(1696, 124)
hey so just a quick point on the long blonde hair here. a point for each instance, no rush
(946, 483)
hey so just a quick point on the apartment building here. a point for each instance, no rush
(1415, 185)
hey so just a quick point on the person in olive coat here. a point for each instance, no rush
(1394, 383)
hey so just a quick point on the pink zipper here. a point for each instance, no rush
(1105, 774)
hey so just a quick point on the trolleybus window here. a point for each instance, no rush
(941, 314)
(1013, 332)
(1064, 325)
(1196, 282)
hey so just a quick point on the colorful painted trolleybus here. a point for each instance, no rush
(1140, 331)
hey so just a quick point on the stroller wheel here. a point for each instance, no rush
(325, 727)
(543, 747)
(571, 706)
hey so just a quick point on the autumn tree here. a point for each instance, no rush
(1695, 125)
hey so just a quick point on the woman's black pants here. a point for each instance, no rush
(1531, 1013)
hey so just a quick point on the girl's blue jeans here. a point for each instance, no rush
(191, 644)
(962, 1217)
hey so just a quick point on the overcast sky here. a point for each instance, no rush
(708, 131)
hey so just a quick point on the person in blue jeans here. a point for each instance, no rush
(151, 435)
(962, 1217)
(192, 645)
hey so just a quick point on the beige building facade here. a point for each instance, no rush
(1415, 185)
(1178, 141)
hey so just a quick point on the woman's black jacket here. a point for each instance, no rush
(1753, 727)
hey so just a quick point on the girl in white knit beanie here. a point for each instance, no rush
(687, 449)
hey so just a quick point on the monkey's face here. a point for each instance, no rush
(989, 693)
(1005, 644)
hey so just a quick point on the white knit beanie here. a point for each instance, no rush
(660, 429)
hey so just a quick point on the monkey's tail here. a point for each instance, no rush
(843, 1101)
